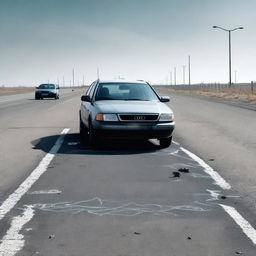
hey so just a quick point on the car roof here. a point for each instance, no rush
(48, 84)
(122, 81)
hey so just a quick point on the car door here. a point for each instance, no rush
(86, 107)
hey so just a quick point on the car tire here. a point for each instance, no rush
(92, 140)
(82, 130)
(36, 97)
(166, 142)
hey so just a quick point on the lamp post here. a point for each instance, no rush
(229, 47)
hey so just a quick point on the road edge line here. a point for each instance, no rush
(246, 227)
(13, 242)
(209, 170)
(13, 198)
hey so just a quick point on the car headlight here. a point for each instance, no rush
(106, 117)
(166, 117)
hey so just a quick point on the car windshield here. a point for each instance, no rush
(125, 91)
(47, 86)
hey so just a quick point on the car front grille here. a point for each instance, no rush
(138, 117)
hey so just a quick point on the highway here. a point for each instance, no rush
(126, 198)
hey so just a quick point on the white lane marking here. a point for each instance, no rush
(246, 227)
(13, 242)
(214, 194)
(241, 222)
(176, 143)
(12, 200)
(218, 179)
(42, 192)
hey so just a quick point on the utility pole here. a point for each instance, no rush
(175, 82)
(183, 74)
(63, 81)
(73, 75)
(189, 76)
(171, 78)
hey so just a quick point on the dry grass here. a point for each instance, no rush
(15, 90)
(242, 93)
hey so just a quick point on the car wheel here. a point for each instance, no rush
(83, 131)
(36, 97)
(166, 142)
(92, 140)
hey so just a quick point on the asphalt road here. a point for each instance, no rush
(225, 133)
(59, 197)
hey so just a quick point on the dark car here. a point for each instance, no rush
(47, 91)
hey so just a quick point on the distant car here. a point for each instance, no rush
(47, 91)
(124, 109)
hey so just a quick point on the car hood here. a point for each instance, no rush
(119, 106)
(45, 90)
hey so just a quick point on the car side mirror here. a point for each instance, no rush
(86, 98)
(165, 99)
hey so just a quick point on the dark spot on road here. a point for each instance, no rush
(223, 197)
(175, 175)
(51, 236)
(239, 252)
(211, 159)
(137, 233)
(189, 238)
(185, 170)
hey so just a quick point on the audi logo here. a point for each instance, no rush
(139, 117)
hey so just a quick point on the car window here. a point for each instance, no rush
(90, 88)
(47, 86)
(125, 91)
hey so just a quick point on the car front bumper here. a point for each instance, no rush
(46, 94)
(133, 130)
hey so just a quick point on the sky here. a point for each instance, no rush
(44, 40)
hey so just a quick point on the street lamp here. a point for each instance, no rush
(229, 43)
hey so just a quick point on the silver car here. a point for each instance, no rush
(47, 91)
(124, 109)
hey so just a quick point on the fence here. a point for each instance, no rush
(239, 89)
